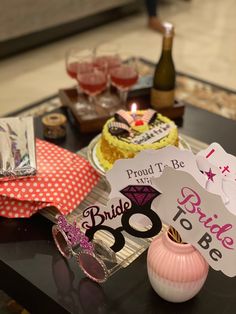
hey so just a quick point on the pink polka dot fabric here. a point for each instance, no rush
(63, 180)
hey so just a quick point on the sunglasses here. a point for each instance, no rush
(95, 258)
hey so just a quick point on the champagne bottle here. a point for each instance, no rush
(162, 92)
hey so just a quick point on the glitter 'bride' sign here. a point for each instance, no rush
(121, 213)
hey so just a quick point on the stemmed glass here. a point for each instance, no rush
(79, 62)
(92, 83)
(106, 58)
(124, 77)
(107, 55)
(74, 62)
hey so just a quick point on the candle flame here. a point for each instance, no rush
(133, 108)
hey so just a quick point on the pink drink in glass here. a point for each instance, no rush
(107, 61)
(92, 83)
(73, 68)
(124, 77)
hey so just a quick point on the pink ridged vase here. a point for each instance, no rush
(176, 271)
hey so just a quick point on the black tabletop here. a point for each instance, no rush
(34, 273)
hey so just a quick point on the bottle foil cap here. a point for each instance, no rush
(169, 28)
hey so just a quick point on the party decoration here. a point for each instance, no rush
(74, 235)
(229, 188)
(125, 120)
(117, 128)
(116, 217)
(220, 167)
(124, 117)
(218, 157)
(200, 217)
(149, 116)
(214, 183)
(151, 163)
(186, 192)
(154, 135)
(95, 259)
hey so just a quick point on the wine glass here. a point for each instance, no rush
(106, 58)
(79, 62)
(107, 55)
(124, 77)
(92, 83)
(107, 61)
(73, 63)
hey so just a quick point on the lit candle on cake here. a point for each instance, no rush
(137, 121)
(134, 110)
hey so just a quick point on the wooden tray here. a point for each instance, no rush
(69, 99)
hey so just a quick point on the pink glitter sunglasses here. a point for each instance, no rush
(95, 259)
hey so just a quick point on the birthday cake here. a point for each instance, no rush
(124, 135)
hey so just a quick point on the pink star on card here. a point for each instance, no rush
(210, 175)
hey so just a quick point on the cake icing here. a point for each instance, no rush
(123, 136)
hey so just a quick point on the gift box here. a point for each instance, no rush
(63, 180)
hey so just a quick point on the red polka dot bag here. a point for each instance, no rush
(63, 180)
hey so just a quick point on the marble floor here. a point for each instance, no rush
(204, 47)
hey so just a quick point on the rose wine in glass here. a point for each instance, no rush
(107, 62)
(71, 69)
(107, 54)
(92, 83)
(74, 68)
(80, 62)
(123, 78)
(107, 58)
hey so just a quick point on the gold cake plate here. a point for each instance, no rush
(92, 157)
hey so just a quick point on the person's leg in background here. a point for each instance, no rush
(153, 20)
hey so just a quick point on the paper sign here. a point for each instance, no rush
(217, 156)
(98, 217)
(154, 135)
(214, 183)
(120, 215)
(220, 167)
(151, 163)
(229, 188)
(109, 215)
(199, 216)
